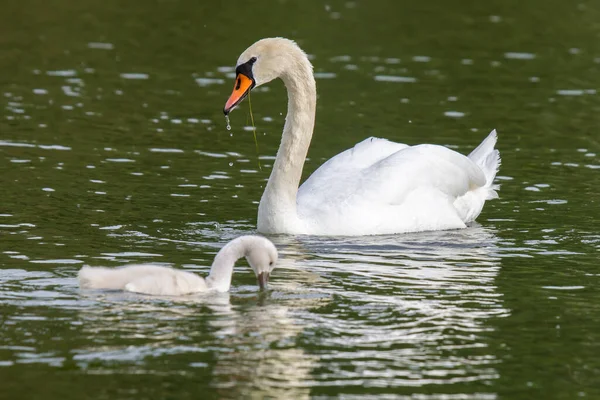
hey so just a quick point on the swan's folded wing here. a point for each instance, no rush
(361, 156)
(390, 179)
(422, 166)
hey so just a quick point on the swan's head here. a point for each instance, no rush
(261, 255)
(260, 63)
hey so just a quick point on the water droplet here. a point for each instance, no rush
(227, 122)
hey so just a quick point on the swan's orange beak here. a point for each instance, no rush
(243, 84)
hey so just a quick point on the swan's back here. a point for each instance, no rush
(385, 187)
(147, 279)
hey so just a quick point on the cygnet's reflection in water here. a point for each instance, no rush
(262, 358)
(245, 340)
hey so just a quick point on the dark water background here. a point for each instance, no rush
(113, 149)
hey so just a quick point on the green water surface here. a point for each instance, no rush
(113, 149)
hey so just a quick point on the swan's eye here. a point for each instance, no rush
(252, 60)
(271, 263)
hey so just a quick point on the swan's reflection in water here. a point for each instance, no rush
(408, 310)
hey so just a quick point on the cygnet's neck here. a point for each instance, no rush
(277, 211)
(221, 270)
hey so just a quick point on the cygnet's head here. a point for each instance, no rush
(260, 63)
(261, 255)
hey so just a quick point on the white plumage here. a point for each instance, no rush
(366, 190)
(260, 253)
(378, 186)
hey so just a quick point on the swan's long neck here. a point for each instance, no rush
(221, 270)
(277, 211)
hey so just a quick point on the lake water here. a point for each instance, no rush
(113, 149)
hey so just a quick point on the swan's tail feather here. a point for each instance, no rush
(488, 159)
(469, 206)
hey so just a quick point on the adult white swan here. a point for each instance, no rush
(377, 187)
(260, 253)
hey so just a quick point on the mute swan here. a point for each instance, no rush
(376, 187)
(260, 253)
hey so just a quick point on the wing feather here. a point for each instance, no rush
(384, 172)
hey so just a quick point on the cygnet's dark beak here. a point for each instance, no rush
(263, 279)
